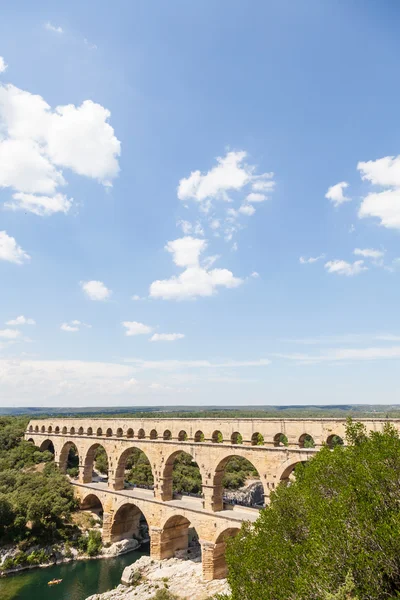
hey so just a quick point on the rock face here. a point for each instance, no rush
(182, 578)
(120, 547)
(248, 494)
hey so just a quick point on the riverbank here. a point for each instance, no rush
(62, 553)
(183, 578)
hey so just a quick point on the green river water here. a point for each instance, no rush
(80, 579)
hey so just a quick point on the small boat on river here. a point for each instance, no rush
(54, 581)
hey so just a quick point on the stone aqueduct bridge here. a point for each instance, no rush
(162, 440)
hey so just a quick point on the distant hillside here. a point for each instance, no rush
(340, 411)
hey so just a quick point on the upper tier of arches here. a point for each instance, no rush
(279, 438)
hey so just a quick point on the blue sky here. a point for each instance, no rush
(199, 203)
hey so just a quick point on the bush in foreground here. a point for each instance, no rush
(333, 533)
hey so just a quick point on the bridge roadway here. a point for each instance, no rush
(210, 442)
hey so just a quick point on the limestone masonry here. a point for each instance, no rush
(161, 440)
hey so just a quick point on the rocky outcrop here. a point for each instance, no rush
(181, 577)
(248, 495)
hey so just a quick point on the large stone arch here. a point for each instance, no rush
(119, 476)
(64, 452)
(217, 502)
(214, 561)
(166, 478)
(174, 535)
(126, 522)
(88, 460)
(47, 444)
(92, 501)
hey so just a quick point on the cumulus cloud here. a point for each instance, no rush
(136, 297)
(369, 253)
(312, 259)
(247, 209)
(39, 144)
(341, 267)
(196, 279)
(21, 320)
(256, 197)
(55, 28)
(383, 204)
(135, 328)
(96, 290)
(10, 251)
(166, 337)
(3, 65)
(335, 193)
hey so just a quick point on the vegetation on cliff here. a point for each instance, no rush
(332, 533)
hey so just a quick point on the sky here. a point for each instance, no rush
(199, 202)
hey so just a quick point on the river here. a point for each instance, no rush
(80, 579)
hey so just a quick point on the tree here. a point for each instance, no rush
(341, 515)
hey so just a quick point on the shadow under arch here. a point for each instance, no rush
(220, 568)
(92, 502)
(241, 470)
(129, 522)
(69, 459)
(89, 461)
(47, 445)
(135, 458)
(189, 480)
(178, 533)
(288, 472)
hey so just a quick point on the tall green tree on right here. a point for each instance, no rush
(339, 519)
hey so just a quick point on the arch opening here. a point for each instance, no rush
(133, 470)
(120, 433)
(57, 429)
(257, 439)
(217, 437)
(36, 428)
(141, 434)
(179, 539)
(93, 504)
(47, 446)
(280, 439)
(80, 431)
(306, 441)
(167, 435)
(99, 431)
(96, 464)
(182, 436)
(199, 436)
(153, 434)
(129, 523)
(129, 433)
(109, 432)
(90, 431)
(181, 476)
(237, 482)
(64, 430)
(334, 440)
(220, 568)
(236, 438)
(69, 459)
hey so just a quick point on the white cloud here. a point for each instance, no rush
(195, 280)
(256, 197)
(3, 65)
(166, 337)
(38, 380)
(247, 209)
(21, 320)
(346, 354)
(54, 28)
(255, 275)
(96, 290)
(135, 328)
(10, 251)
(186, 251)
(70, 328)
(9, 334)
(136, 297)
(262, 184)
(215, 224)
(38, 144)
(383, 205)
(43, 206)
(348, 338)
(312, 259)
(341, 267)
(187, 227)
(369, 253)
(384, 171)
(73, 326)
(177, 365)
(335, 193)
